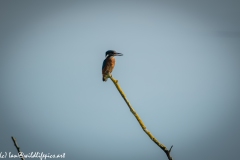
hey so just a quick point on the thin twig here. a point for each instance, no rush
(164, 148)
(18, 148)
(170, 149)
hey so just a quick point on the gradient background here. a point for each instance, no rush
(180, 71)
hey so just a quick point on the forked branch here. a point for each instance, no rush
(164, 148)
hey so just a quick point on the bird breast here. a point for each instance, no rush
(110, 63)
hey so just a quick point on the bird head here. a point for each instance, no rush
(113, 53)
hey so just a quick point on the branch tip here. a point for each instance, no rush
(170, 149)
(16, 145)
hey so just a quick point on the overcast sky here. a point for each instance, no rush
(180, 71)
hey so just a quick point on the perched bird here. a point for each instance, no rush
(109, 63)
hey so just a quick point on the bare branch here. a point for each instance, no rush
(164, 148)
(18, 148)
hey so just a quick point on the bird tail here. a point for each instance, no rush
(104, 78)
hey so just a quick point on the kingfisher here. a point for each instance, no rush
(109, 63)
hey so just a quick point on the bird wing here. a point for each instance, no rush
(104, 64)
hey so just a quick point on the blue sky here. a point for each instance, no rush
(180, 71)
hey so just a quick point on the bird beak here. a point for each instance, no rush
(118, 54)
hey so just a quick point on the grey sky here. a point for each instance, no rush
(180, 71)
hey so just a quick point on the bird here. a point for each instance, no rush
(109, 63)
